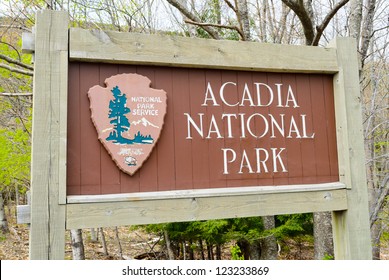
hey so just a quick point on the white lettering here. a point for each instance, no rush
(222, 94)
(199, 129)
(225, 159)
(211, 96)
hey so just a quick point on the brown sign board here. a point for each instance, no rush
(222, 129)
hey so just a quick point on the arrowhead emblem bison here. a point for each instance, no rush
(128, 115)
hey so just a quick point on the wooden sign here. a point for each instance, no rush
(222, 129)
(249, 130)
(128, 116)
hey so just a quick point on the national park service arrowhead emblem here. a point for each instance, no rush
(128, 115)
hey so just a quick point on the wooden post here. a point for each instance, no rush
(48, 167)
(351, 228)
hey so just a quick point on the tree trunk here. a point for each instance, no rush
(269, 248)
(218, 252)
(322, 231)
(191, 252)
(168, 245)
(355, 19)
(201, 249)
(93, 235)
(255, 250)
(376, 227)
(367, 30)
(119, 243)
(103, 242)
(3, 217)
(243, 18)
(77, 244)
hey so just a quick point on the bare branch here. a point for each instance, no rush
(326, 21)
(305, 19)
(12, 47)
(202, 24)
(16, 62)
(15, 27)
(229, 4)
(16, 70)
(16, 94)
(384, 192)
(209, 29)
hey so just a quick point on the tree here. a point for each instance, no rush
(77, 244)
(117, 112)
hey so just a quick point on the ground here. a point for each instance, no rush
(135, 244)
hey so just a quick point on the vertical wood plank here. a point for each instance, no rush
(200, 159)
(320, 128)
(351, 228)
(217, 178)
(183, 155)
(231, 97)
(279, 177)
(47, 232)
(63, 119)
(165, 145)
(331, 126)
(308, 152)
(293, 144)
(74, 130)
(248, 144)
(90, 144)
(264, 178)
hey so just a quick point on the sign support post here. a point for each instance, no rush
(48, 167)
(351, 230)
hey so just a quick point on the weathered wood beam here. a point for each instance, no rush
(190, 208)
(146, 49)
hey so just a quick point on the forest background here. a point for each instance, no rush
(297, 22)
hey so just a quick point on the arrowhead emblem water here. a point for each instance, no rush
(128, 115)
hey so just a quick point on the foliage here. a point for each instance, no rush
(15, 156)
(293, 225)
(236, 231)
(236, 253)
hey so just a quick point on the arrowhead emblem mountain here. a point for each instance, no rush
(144, 122)
(128, 116)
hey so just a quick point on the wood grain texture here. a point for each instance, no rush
(48, 167)
(145, 49)
(195, 208)
(351, 228)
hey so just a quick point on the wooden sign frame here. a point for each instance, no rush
(52, 211)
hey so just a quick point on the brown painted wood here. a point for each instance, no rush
(177, 163)
(217, 178)
(308, 152)
(321, 136)
(165, 145)
(73, 170)
(90, 145)
(200, 160)
(265, 178)
(293, 145)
